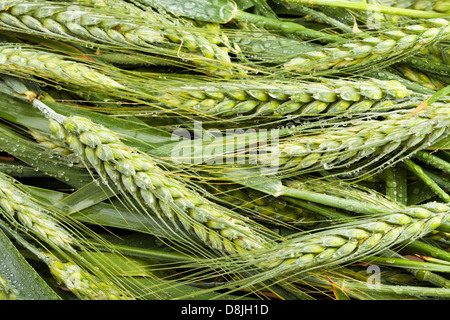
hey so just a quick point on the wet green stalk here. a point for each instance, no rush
(287, 27)
(366, 7)
(428, 181)
(433, 160)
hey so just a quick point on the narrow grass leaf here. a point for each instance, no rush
(23, 280)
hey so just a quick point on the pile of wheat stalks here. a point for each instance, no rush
(246, 149)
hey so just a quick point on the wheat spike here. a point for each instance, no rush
(156, 34)
(213, 35)
(24, 59)
(16, 204)
(46, 142)
(388, 45)
(261, 98)
(424, 5)
(344, 243)
(419, 77)
(397, 132)
(138, 174)
(83, 284)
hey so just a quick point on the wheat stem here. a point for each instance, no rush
(286, 27)
(421, 275)
(412, 291)
(405, 263)
(424, 248)
(369, 6)
(433, 160)
(418, 171)
(332, 201)
(317, 15)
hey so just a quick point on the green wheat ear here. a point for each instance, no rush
(277, 99)
(110, 27)
(83, 284)
(21, 210)
(344, 243)
(160, 193)
(434, 5)
(201, 41)
(398, 132)
(362, 52)
(56, 67)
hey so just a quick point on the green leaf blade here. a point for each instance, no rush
(23, 280)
